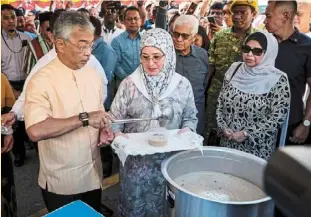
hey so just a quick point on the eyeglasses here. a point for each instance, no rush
(132, 19)
(185, 36)
(256, 51)
(217, 13)
(84, 48)
(155, 58)
(12, 17)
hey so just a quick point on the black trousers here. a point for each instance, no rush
(107, 160)
(54, 201)
(8, 193)
(20, 137)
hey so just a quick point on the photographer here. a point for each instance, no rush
(215, 18)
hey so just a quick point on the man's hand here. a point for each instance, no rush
(214, 27)
(300, 134)
(106, 136)
(8, 119)
(140, 3)
(239, 136)
(8, 144)
(100, 119)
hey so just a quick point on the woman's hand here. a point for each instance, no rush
(8, 144)
(228, 133)
(183, 130)
(239, 136)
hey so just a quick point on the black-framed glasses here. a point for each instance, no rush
(185, 36)
(155, 58)
(256, 51)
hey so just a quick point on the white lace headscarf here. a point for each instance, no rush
(156, 85)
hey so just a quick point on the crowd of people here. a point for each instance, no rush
(240, 80)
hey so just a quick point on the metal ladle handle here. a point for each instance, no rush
(134, 120)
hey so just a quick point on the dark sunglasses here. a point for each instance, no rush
(185, 36)
(256, 51)
(112, 10)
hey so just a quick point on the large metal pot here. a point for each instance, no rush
(182, 203)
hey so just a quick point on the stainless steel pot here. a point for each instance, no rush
(182, 203)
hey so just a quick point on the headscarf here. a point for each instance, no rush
(158, 84)
(260, 38)
(261, 78)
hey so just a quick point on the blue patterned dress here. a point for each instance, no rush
(140, 95)
(142, 185)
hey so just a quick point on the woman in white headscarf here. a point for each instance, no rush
(255, 99)
(154, 86)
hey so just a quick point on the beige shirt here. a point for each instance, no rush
(69, 164)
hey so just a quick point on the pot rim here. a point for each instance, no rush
(212, 148)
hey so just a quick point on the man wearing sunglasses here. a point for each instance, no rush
(225, 49)
(39, 46)
(191, 61)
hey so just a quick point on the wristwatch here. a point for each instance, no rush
(306, 123)
(84, 117)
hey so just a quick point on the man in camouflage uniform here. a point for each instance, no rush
(225, 49)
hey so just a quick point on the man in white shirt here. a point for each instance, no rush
(110, 31)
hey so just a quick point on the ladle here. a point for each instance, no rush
(167, 115)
